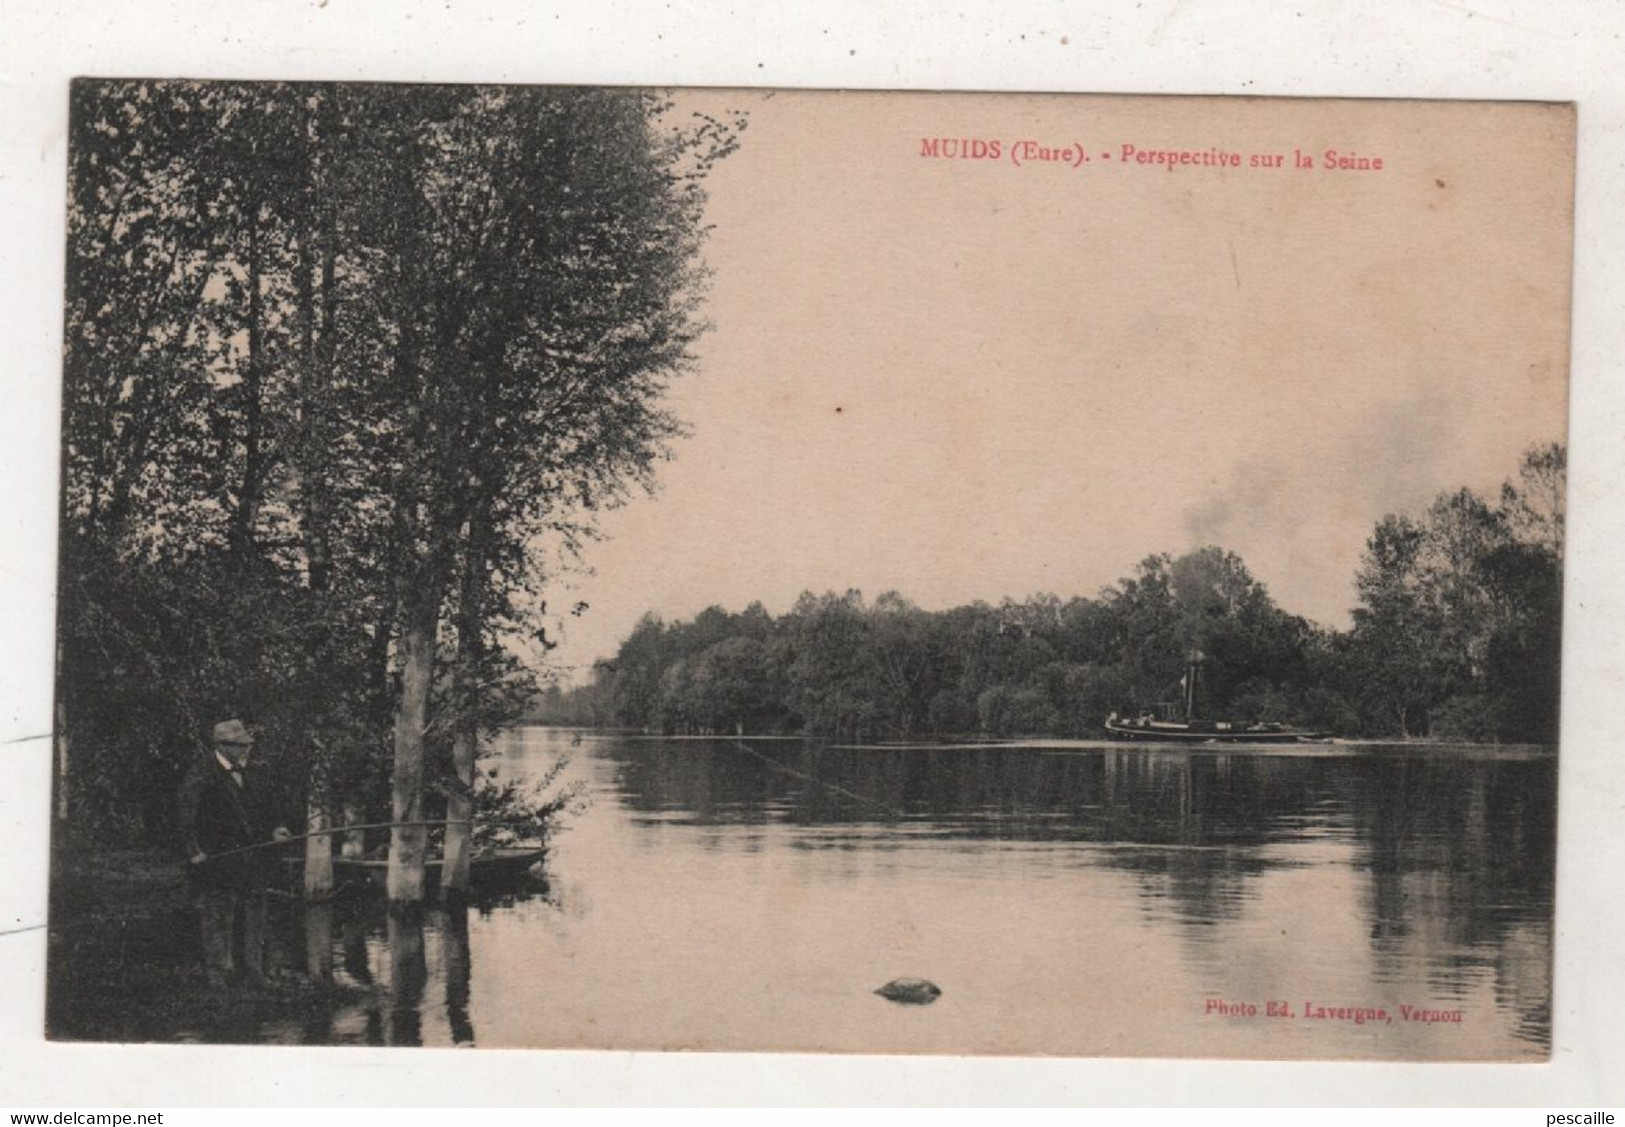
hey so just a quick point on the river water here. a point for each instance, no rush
(1068, 899)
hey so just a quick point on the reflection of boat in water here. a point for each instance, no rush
(1147, 729)
(1164, 728)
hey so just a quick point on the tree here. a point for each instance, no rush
(181, 597)
(904, 662)
(541, 250)
(1395, 658)
(829, 673)
(1457, 629)
(339, 359)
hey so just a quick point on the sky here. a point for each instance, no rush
(969, 379)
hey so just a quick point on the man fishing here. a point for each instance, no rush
(220, 818)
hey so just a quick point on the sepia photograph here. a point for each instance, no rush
(785, 570)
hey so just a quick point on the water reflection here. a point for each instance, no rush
(318, 917)
(408, 974)
(1072, 900)
(319, 962)
(397, 978)
(456, 970)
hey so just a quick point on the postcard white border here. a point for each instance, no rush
(1496, 49)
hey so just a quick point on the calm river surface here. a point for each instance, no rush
(1068, 899)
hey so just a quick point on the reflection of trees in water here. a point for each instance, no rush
(319, 963)
(386, 970)
(356, 964)
(1460, 850)
(408, 975)
(456, 969)
(1203, 815)
(1204, 802)
(1462, 855)
(1523, 978)
(1152, 798)
(1487, 827)
(712, 782)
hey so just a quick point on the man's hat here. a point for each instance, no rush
(231, 732)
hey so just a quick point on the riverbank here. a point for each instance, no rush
(126, 962)
(1338, 745)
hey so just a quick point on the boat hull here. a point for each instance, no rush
(502, 866)
(1185, 734)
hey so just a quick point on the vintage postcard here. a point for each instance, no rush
(800, 570)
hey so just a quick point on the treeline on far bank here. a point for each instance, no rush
(1455, 635)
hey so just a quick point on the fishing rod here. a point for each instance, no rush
(776, 765)
(329, 833)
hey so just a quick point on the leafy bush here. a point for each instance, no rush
(511, 812)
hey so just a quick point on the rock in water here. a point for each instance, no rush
(910, 991)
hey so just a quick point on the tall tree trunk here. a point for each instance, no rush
(318, 846)
(418, 599)
(314, 473)
(408, 843)
(315, 412)
(454, 872)
(381, 671)
(248, 497)
(460, 809)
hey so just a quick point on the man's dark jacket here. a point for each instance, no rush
(217, 815)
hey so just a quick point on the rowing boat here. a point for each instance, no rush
(499, 866)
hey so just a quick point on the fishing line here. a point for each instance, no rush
(777, 766)
(329, 833)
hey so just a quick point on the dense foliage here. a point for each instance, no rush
(347, 369)
(1456, 635)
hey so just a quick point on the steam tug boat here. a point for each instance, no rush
(1163, 728)
(1151, 730)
